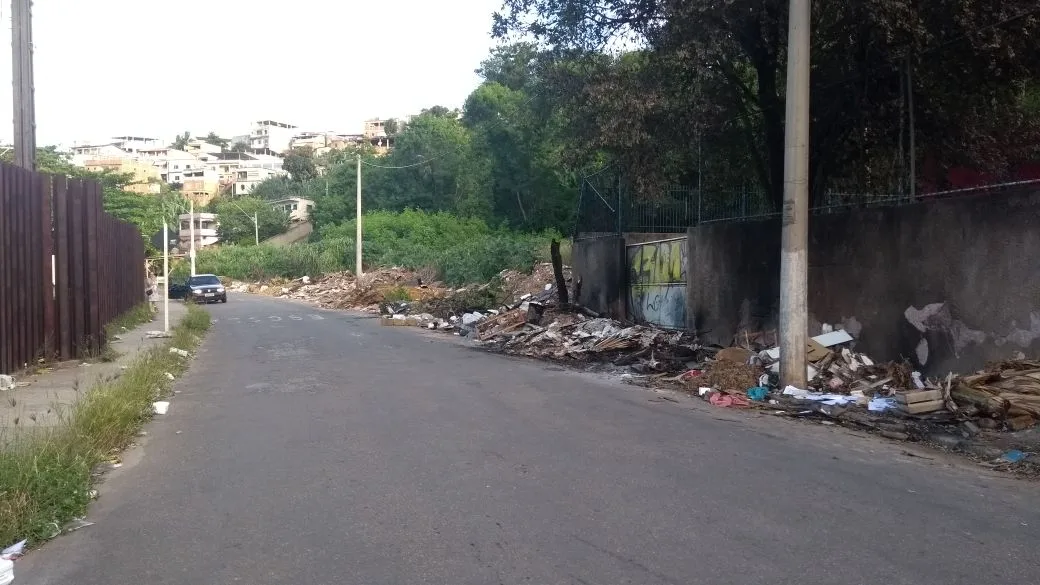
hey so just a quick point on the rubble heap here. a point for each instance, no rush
(851, 388)
(1006, 392)
(560, 335)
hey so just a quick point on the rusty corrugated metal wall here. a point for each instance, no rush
(54, 227)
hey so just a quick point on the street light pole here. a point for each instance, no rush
(256, 227)
(794, 321)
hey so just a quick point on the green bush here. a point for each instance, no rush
(459, 250)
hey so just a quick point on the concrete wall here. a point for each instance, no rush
(947, 284)
(600, 266)
(297, 233)
(657, 282)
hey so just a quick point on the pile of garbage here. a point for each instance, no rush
(560, 335)
(341, 290)
(407, 296)
(846, 387)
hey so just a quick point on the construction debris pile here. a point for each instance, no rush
(846, 387)
(343, 291)
(544, 332)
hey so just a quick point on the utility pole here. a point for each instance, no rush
(166, 276)
(357, 243)
(794, 256)
(22, 79)
(256, 227)
(191, 231)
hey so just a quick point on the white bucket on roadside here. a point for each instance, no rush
(160, 408)
(6, 572)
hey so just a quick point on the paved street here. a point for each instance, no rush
(318, 448)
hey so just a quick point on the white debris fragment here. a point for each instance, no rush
(180, 352)
(161, 407)
(6, 382)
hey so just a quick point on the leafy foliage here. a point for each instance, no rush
(713, 73)
(459, 250)
(236, 220)
(300, 164)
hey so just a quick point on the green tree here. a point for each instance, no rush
(236, 220)
(240, 147)
(215, 139)
(300, 164)
(181, 142)
(715, 70)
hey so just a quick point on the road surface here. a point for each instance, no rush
(314, 447)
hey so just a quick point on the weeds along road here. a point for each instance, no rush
(317, 447)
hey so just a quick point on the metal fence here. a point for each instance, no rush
(606, 205)
(67, 268)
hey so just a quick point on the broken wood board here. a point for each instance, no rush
(922, 407)
(918, 396)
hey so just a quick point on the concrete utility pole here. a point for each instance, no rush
(22, 79)
(166, 277)
(191, 232)
(357, 243)
(794, 256)
(256, 227)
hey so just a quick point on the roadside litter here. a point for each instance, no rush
(6, 382)
(13, 552)
(6, 572)
(180, 352)
(161, 407)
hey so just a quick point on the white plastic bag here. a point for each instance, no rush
(6, 572)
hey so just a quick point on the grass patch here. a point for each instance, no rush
(45, 477)
(138, 315)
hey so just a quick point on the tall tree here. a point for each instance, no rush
(214, 139)
(181, 142)
(712, 68)
(300, 164)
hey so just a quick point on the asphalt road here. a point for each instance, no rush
(318, 448)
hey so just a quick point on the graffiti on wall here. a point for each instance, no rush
(657, 283)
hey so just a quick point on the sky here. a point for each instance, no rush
(108, 68)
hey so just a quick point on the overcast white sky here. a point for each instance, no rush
(158, 67)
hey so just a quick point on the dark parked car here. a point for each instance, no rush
(201, 288)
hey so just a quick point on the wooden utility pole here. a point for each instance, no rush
(22, 76)
(794, 253)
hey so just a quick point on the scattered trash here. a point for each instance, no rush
(157, 335)
(75, 524)
(727, 400)
(93, 494)
(14, 551)
(6, 382)
(6, 572)
(758, 393)
(161, 407)
(1013, 456)
(170, 376)
(180, 352)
